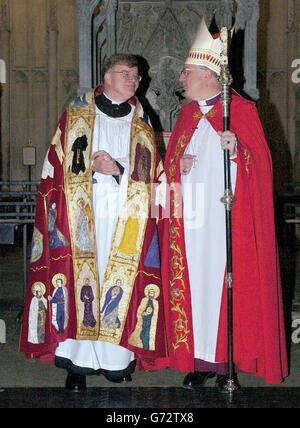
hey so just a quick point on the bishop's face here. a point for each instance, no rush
(121, 82)
(194, 81)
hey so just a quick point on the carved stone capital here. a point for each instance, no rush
(112, 6)
(53, 22)
(4, 15)
(85, 8)
(248, 10)
(292, 16)
(70, 79)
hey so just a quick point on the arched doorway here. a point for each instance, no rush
(97, 40)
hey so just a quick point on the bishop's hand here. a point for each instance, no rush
(229, 142)
(186, 163)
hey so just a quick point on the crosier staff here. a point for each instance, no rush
(226, 80)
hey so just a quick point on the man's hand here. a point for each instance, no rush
(229, 142)
(186, 163)
(102, 162)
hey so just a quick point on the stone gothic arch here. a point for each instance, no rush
(97, 38)
(161, 32)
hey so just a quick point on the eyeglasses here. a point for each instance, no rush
(186, 71)
(128, 76)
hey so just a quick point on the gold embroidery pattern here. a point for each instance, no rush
(128, 240)
(174, 161)
(61, 257)
(144, 334)
(151, 275)
(177, 293)
(78, 190)
(197, 116)
(180, 325)
(211, 113)
(39, 268)
(247, 158)
(119, 278)
(44, 195)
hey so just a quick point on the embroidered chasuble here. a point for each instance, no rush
(102, 270)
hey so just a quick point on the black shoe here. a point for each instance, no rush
(75, 382)
(227, 386)
(197, 379)
(120, 376)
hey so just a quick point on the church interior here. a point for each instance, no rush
(53, 50)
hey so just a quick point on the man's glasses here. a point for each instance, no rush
(128, 76)
(186, 71)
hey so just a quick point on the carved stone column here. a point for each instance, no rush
(2, 80)
(293, 116)
(111, 26)
(98, 42)
(247, 18)
(85, 10)
(5, 116)
(52, 64)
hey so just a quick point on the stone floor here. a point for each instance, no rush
(20, 378)
(171, 398)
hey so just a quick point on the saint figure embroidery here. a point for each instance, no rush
(84, 241)
(87, 298)
(79, 146)
(36, 246)
(142, 165)
(56, 238)
(130, 238)
(110, 310)
(144, 335)
(37, 314)
(59, 301)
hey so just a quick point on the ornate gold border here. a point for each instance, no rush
(138, 192)
(78, 119)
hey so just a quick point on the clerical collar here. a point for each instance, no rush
(110, 108)
(210, 101)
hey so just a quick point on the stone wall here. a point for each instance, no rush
(160, 32)
(163, 39)
(49, 57)
(38, 41)
(279, 104)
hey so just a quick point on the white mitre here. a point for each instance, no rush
(206, 50)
